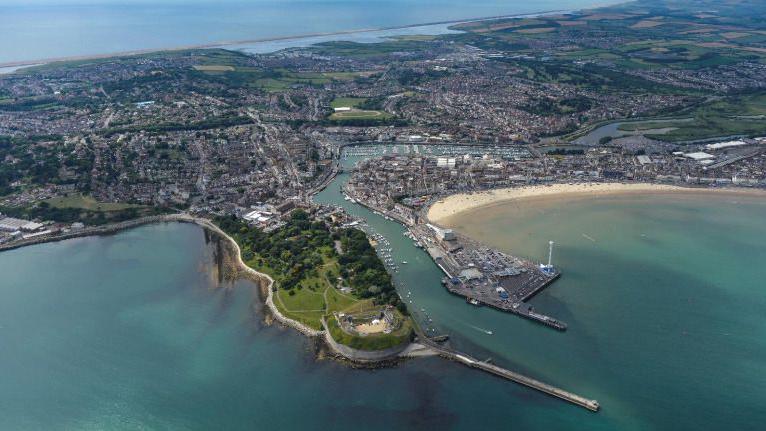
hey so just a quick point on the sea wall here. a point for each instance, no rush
(363, 355)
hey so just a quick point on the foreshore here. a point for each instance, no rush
(451, 205)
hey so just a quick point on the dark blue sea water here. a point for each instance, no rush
(49, 29)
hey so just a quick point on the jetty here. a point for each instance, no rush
(505, 373)
(485, 276)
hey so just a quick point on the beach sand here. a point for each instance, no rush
(457, 203)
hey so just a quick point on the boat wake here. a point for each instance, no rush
(486, 331)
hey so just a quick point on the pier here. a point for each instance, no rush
(485, 276)
(505, 373)
(518, 308)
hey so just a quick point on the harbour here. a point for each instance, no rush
(509, 283)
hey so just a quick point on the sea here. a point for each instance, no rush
(663, 295)
(45, 29)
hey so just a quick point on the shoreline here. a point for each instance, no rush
(243, 271)
(454, 204)
(259, 276)
(19, 64)
(176, 218)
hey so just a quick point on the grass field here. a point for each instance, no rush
(227, 67)
(737, 115)
(214, 68)
(316, 297)
(88, 203)
(351, 102)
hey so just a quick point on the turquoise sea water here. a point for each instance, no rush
(665, 314)
(51, 29)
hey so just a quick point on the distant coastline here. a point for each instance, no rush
(225, 44)
(458, 203)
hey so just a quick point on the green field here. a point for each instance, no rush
(317, 297)
(88, 203)
(736, 115)
(228, 68)
(351, 102)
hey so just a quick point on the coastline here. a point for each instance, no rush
(265, 283)
(177, 218)
(19, 64)
(259, 276)
(454, 204)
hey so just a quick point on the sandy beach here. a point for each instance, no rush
(457, 203)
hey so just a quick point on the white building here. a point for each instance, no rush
(10, 224)
(699, 156)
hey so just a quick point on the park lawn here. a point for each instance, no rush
(303, 300)
(350, 102)
(88, 203)
(338, 301)
(308, 305)
(271, 84)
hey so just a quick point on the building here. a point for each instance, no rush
(10, 224)
(698, 156)
(443, 234)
